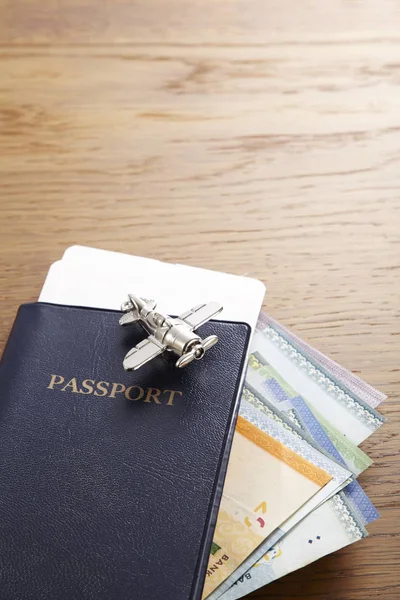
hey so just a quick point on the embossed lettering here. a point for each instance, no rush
(171, 396)
(71, 384)
(103, 387)
(153, 393)
(53, 381)
(134, 387)
(87, 385)
(117, 388)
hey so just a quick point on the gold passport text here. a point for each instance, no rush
(111, 390)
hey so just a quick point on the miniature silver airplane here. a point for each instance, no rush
(166, 333)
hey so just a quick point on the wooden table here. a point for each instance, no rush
(257, 137)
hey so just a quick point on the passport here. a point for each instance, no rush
(111, 481)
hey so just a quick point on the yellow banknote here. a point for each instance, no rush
(265, 484)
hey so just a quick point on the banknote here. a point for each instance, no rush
(258, 496)
(304, 415)
(332, 526)
(270, 386)
(344, 411)
(347, 380)
(350, 508)
(310, 425)
(235, 538)
(335, 524)
(338, 522)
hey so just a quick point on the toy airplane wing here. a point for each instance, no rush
(142, 353)
(128, 318)
(200, 314)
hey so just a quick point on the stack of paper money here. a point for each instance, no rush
(291, 494)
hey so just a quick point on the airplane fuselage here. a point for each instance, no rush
(172, 333)
(167, 333)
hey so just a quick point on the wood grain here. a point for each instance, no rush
(260, 137)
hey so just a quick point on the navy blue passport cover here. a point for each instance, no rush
(104, 497)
